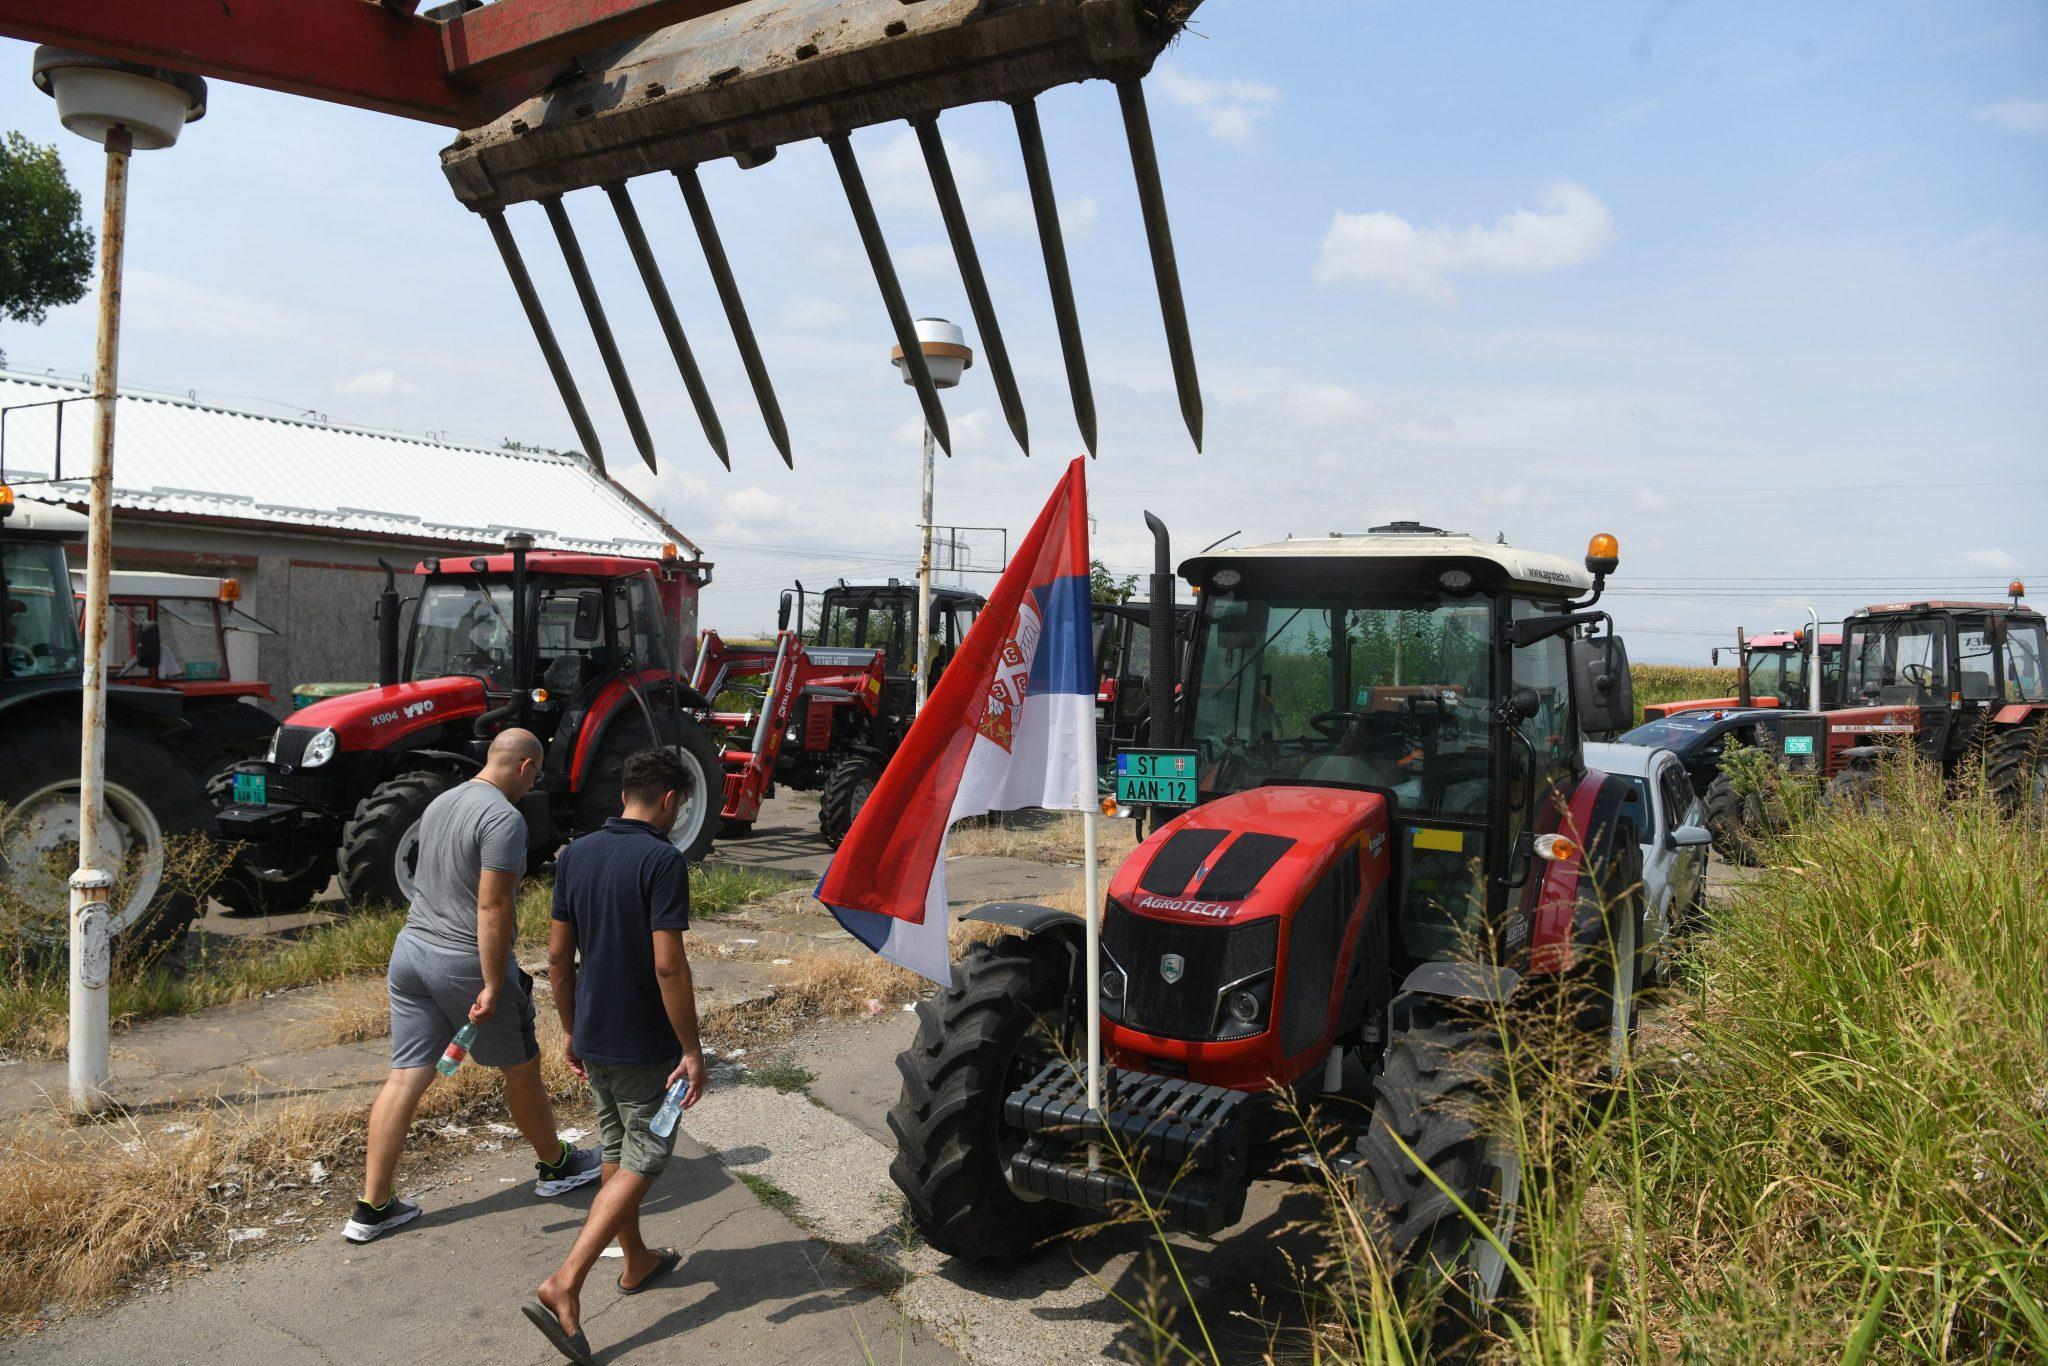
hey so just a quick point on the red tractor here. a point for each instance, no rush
(831, 710)
(1955, 678)
(1395, 835)
(186, 633)
(1776, 672)
(586, 651)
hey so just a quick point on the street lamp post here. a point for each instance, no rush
(947, 356)
(126, 108)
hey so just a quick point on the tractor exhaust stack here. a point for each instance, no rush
(750, 77)
(1165, 661)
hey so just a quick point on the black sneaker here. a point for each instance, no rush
(577, 1167)
(373, 1221)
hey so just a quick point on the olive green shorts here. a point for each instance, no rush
(627, 1098)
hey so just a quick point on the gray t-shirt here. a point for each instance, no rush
(466, 830)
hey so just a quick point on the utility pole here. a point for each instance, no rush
(126, 108)
(946, 357)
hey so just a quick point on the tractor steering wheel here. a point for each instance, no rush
(1333, 725)
(1919, 675)
(20, 660)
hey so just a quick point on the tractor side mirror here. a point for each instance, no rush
(149, 647)
(1601, 684)
(782, 612)
(1098, 641)
(589, 617)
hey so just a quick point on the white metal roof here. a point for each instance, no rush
(1534, 567)
(179, 458)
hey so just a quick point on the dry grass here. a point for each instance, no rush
(1041, 837)
(352, 1011)
(85, 1214)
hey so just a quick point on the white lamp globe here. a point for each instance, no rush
(95, 94)
(946, 353)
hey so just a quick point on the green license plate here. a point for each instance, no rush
(1155, 777)
(252, 789)
(1799, 744)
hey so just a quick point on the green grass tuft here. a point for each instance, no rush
(768, 1193)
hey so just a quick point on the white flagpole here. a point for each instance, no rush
(1092, 893)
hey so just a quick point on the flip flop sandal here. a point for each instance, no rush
(574, 1346)
(670, 1260)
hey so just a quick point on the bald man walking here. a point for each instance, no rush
(453, 963)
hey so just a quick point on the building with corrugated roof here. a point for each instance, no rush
(300, 512)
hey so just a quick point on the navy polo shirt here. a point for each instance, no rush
(616, 886)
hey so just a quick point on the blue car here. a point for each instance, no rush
(1699, 738)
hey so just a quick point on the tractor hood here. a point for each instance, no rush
(1249, 855)
(376, 717)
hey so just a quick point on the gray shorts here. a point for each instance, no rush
(432, 989)
(627, 1098)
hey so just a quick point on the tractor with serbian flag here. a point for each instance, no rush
(1390, 849)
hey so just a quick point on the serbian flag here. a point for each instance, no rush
(1011, 724)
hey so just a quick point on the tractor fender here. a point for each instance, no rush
(156, 709)
(414, 759)
(591, 719)
(1031, 919)
(1453, 981)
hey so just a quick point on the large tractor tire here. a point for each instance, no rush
(220, 735)
(2018, 768)
(976, 1044)
(697, 823)
(1732, 819)
(847, 789)
(153, 837)
(252, 885)
(380, 846)
(1436, 1111)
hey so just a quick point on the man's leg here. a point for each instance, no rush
(390, 1117)
(526, 1096)
(617, 1203)
(639, 1261)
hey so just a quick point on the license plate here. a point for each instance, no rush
(1799, 744)
(252, 789)
(1156, 777)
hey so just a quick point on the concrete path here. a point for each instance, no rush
(753, 1289)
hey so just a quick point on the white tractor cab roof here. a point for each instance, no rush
(140, 583)
(1403, 555)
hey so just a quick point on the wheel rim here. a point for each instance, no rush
(1622, 1004)
(862, 790)
(405, 861)
(42, 838)
(695, 809)
(1503, 1161)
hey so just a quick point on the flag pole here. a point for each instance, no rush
(1090, 892)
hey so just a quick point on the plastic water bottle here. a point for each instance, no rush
(664, 1122)
(458, 1049)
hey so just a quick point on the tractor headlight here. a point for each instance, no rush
(1112, 985)
(319, 749)
(1243, 1007)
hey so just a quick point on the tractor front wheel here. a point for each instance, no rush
(380, 846)
(1730, 817)
(2018, 768)
(981, 1040)
(697, 820)
(1436, 1119)
(847, 789)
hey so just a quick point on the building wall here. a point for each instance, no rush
(317, 592)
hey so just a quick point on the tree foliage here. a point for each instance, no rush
(46, 251)
(1104, 586)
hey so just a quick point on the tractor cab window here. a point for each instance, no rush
(2026, 652)
(464, 628)
(1314, 686)
(1552, 730)
(1779, 673)
(640, 627)
(1901, 661)
(1830, 674)
(572, 642)
(38, 634)
(1976, 660)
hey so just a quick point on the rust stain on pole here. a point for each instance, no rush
(89, 1070)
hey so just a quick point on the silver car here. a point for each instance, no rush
(1675, 842)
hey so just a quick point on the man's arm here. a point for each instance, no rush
(679, 998)
(495, 926)
(562, 982)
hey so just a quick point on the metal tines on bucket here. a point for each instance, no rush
(747, 78)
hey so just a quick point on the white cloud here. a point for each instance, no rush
(754, 508)
(379, 384)
(1993, 558)
(1231, 110)
(2015, 116)
(1570, 228)
(813, 315)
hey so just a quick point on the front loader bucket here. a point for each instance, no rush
(753, 76)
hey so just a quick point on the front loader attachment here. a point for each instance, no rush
(753, 76)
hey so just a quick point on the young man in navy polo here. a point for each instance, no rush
(629, 1020)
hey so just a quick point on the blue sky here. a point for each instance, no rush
(1761, 288)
